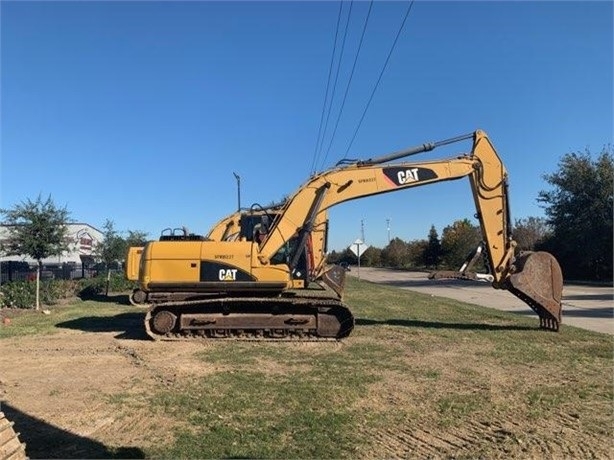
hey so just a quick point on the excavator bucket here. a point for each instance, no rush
(538, 281)
(334, 278)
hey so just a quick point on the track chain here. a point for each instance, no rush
(10, 446)
(253, 335)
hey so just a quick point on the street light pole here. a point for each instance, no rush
(238, 191)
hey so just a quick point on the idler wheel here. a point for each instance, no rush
(138, 297)
(163, 322)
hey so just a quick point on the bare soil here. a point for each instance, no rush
(59, 390)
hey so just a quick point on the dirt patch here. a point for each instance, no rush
(437, 415)
(62, 391)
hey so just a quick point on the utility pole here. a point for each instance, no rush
(238, 191)
(362, 242)
(362, 230)
(358, 245)
(388, 227)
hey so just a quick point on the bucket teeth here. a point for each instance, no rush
(538, 281)
(550, 324)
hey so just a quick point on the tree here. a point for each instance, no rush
(395, 255)
(372, 257)
(579, 209)
(458, 241)
(111, 249)
(529, 233)
(415, 250)
(38, 229)
(348, 257)
(136, 238)
(432, 253)
(333, 257)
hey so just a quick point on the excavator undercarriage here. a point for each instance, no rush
(314, 314)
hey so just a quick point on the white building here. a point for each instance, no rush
(82, 240)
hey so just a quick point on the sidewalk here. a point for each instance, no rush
(587, 307)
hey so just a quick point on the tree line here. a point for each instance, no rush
(449, 252)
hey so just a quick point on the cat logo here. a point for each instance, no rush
(229, 274)
(407, 176)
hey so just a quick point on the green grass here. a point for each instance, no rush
(255, 415)
(414, 362)
(274, 401)
(90, 313)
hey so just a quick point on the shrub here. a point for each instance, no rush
(18, 294)
(96, 286)
(91, 287)
(54, 290)
(22, 294)
(119, 283)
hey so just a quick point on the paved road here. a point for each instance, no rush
(588, 307)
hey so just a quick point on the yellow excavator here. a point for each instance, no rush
(263, 282)
(227, 229)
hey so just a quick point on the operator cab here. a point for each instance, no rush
(255, 226)
(179, 234)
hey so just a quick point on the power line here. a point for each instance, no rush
(380, 75)
(347, 88)
(330, 72)
(332, 97)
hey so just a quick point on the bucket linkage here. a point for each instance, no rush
(534, 277)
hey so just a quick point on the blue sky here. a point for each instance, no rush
(140, 112)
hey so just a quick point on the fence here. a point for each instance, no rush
(21, 271)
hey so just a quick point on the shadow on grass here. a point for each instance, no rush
(129, 325)
(431, 283)
(44, 440)
(440, 325)
(118, 299)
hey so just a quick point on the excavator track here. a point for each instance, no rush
(284, 318)
(10, 446)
